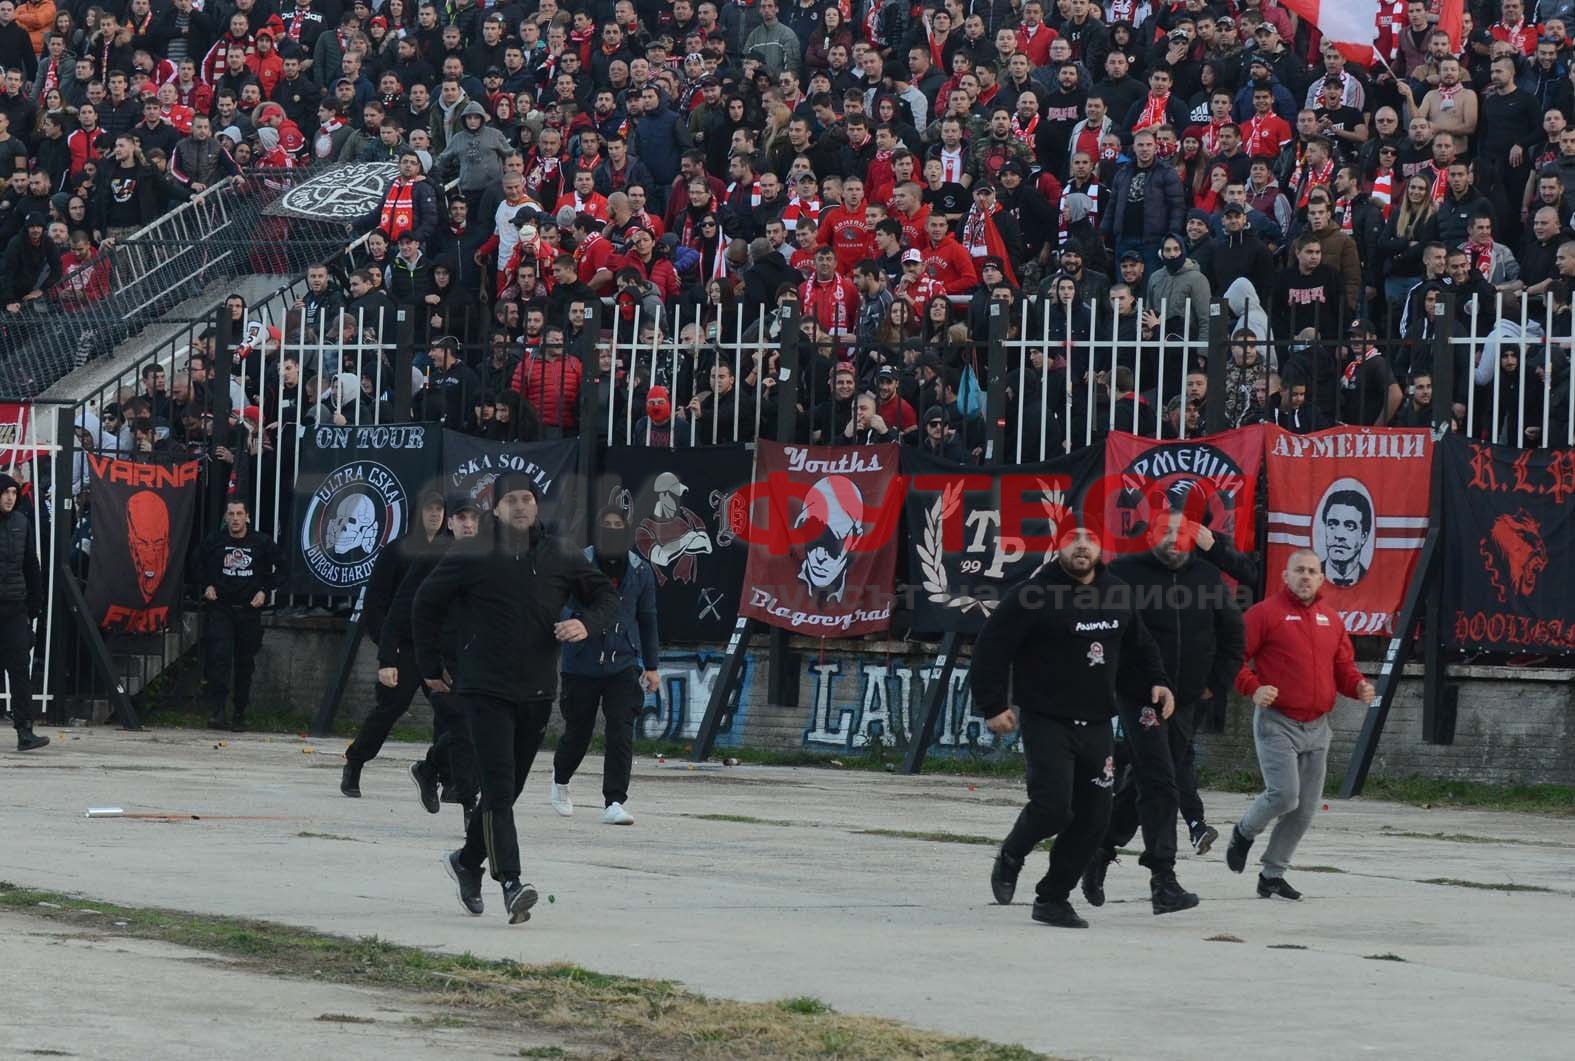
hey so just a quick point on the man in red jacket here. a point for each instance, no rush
(945, 259)
(1298, 657)
(846, 229)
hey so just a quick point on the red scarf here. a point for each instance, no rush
(1382, 192)
(399, 208)
(1481, 258)
(1440, 182)
(937, 48)
(1025, 133)
(1153, 112)
(1343, 214)
(981, 239)
(1211, 137)
(51, 78)
(1306, 180)
(1348, 376)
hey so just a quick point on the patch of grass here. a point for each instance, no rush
(934, 838)
(1287, 946)
(343, 1018)
(808, 1005)
(743, 819)
(544, 1051)
(627, 1016)
(1223, 937)
(1317, 869)
(1454, 882)
(327, 836)
(1427, 792)
(1385, 957)
(282, 722)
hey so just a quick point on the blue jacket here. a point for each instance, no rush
(618, 650)
(1164, 203)
(662, 143)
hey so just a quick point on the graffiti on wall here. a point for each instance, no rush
(858, 703)
(674, 711)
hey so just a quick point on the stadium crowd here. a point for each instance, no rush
(894, 169)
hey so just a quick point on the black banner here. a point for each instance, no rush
(1510, 547)
(969, 528)
(142, 517)
(677, 502)
(355, 493)
(471, 464)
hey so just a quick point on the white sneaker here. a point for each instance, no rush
(616, 815)
(558, 796)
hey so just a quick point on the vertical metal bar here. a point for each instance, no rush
(995, 397)
(1547, 372)
(723, 690)
(1218, 420)
(934, 700)
(1471, 367)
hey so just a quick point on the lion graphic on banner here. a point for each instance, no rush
(1514, 554)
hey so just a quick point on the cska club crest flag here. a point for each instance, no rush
(822, 525)
(1358, 497)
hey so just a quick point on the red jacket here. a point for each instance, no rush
(552, 386)
(951, 265)
(849, 234)
(1303, 651)
(834, 304)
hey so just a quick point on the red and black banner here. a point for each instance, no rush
(1358, 497)
(1212, 477)
(1510, 547)
(822, 525)
(142, 518)
(676, 503)
(976, 530)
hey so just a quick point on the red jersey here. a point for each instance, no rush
(849, 234)
(1263, 135)
(594, 254)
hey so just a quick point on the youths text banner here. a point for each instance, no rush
(822, 539)
(676, 503)
(976, 530)
(142, 518)
(471, 464)
(1358, 497)
(1213, 476)
(1509, 561)
(354, 493)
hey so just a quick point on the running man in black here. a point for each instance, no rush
(1060, 641)
(240, 567)
(21, 601)
(505, 589)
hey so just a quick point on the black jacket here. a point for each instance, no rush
(1061, 644)
(397, 644)
(239, 568)
(388, 574)
(21, 581)
(505, 592)
(1193, 619)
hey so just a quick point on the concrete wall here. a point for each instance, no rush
(1514, 726)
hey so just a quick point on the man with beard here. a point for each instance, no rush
(240, 567)
(21, 601)
(611, 670)
(1066, 632)
(1298, 655)
(505, 589)
(392, 700)
(1189, 611)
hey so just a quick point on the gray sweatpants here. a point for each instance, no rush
(1293, 757)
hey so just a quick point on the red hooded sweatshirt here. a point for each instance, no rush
(1303, 651)
(952, 266)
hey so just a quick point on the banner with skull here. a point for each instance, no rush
(822, 524)
(142, 521)
(343, 193)
(471, 464)
(971, 530)
(355, 492)
(676, 504)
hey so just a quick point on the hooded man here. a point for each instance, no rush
(477, 150)
(503, 590)
(613, 670)
(21, 601)
(31, 264)
(661, 427)
(240, 567)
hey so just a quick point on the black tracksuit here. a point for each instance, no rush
(505, 590)
(238, 569)
(21, 601)
(389, 578)
(1194, 621)
(1060, 644)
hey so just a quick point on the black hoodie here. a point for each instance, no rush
(1193, 619)
(20, 579)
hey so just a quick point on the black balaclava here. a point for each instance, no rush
(611, 546)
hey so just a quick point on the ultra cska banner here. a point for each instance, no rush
(977, 530)
(823, 538)
(1213, 476)
(1509, 562)
(1358, 497)
(142, 517)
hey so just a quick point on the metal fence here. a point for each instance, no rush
(134, 281)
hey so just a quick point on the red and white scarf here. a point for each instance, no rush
(1481, 258)
(1211, 137)
(1305, 180)
(1348, 375)
(1153, 111)
(1025, 133)
(1382, 192)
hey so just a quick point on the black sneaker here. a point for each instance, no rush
(1276, 888)
(350, 780)
(218, 721)
(1003, 877)
(1057, 912)
(1236, 853)
(1169, 896)
(426, 783)
(1203, 837)
(30, 741)
(469, 881)
(1094, 877)
(517, 900)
